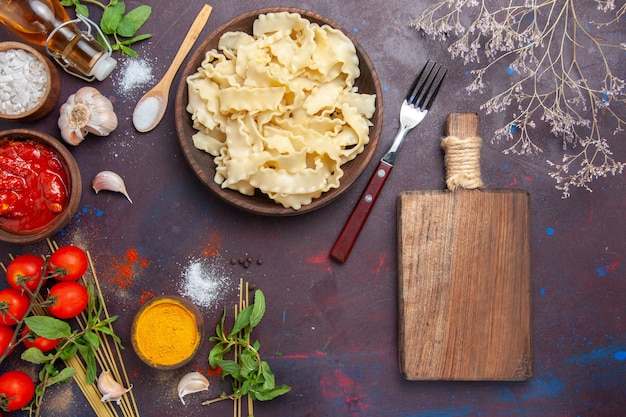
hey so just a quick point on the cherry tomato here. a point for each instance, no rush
(70, 299)
(16, 390)
(68, 262)
(41, 343)
(25, 270)
(13, 306)
(6, 334)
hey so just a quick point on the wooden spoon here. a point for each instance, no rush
(151, 107)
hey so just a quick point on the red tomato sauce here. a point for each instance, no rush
(33, 185)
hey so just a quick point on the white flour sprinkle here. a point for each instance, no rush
(203, 283)
(135, 73)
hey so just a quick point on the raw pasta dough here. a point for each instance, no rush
(278, 109)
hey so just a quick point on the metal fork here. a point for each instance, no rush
(414, 108)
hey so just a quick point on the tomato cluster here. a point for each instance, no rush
(27, 275)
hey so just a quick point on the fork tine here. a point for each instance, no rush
(417, 98)
(432, 97)
(409, 96)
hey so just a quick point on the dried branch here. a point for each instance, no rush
(540, 42)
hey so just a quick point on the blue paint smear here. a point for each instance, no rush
(447, 412)
(549, 231)
(542, 291)
(355, 30)
(620, 356)
(92, 210)
(594, 356)
(544, 388)
(506, 166)
(601, 271)
(510, 70)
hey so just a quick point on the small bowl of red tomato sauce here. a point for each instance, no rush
(40, 186)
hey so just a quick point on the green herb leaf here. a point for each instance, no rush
(47, 371)
(63, 376)
(133, 20)
(90, 365)
(112, 17)
(68, 351)
(219, 330)
(243, 320)
(258, 310)
(48, 327)
(217, 354)
(269, 381)
(108, 331)
(229, 367)
(245, 387)
(271, 394)
(248, 363)
(82, 10)
(136, 39)
(128, 51)
(92, 339)
(34, 355)
(91, 297)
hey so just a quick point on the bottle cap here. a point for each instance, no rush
(103, 67)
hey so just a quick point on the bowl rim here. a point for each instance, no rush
(74, 188)
(187, 305)
(53, 89)
(234, 198)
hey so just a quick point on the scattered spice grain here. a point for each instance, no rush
(245, 262)
(135, 74)
(203, 283)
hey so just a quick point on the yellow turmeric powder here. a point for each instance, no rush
(166, 333)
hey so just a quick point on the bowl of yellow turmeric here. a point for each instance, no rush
(167, 332)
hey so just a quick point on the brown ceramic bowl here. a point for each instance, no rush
(202, 163)
(157, 328)
(52, 91)
(74, 186)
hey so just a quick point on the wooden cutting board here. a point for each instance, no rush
(464, 277)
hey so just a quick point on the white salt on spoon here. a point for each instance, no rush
(151, 107)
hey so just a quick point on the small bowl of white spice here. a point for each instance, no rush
(29, 83)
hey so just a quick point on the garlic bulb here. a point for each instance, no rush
(110, 389)
(86, 111)
(110, 181)
(191, 383)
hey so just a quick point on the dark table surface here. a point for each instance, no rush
(330, 330)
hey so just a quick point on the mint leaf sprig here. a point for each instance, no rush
(121, 27)
(250, 374)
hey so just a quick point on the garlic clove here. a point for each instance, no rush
(109, 181)
(110, 389)
(191, 383)
(86, 111)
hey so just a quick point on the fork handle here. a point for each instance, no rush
(351, 230)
